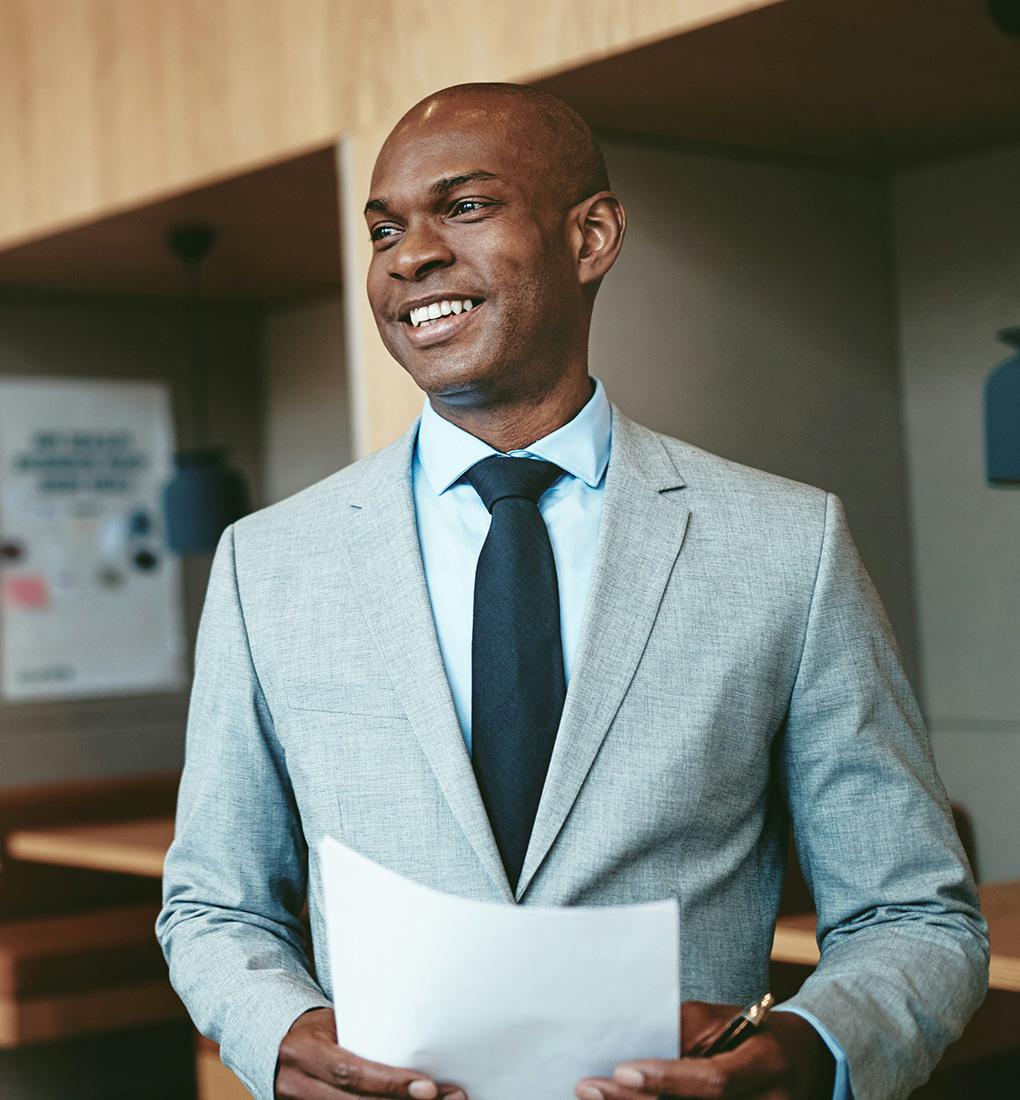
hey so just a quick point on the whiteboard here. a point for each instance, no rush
(90, 599)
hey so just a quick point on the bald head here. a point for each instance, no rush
(546, 133)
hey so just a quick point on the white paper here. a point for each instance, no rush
(507, 1001)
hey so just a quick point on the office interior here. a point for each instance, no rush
(823, 246)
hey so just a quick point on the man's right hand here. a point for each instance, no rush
(311, 1066)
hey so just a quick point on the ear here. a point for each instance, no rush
(600, 223)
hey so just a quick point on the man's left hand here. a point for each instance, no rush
(785, 1059)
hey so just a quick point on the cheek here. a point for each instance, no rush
(530, 284)
(375, 284)
(541, 303)
(510, 255)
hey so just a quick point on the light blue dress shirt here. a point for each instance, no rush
(452, 525)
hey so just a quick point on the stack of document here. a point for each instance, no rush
(506, 1001)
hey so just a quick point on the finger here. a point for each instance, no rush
(349, 1073)
(735, 1073)
(601, 1088)
(292, 1084)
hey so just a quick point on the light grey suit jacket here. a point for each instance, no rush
(734, 661)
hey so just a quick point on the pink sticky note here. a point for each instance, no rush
(29, 590)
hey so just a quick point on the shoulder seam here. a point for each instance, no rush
(814, 588)
(244, 624)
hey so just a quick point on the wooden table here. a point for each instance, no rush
(136, 847)
(1000, 903)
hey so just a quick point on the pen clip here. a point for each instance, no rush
(756, 1013)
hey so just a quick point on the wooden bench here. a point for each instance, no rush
(78, 952)
(79, 973)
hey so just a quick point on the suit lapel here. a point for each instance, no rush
(384, 558)
(640, 534)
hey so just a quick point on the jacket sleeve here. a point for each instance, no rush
(235, 877)
(904, 949)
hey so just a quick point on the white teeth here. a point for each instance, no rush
(423, 315)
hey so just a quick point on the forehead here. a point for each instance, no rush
(446, 144)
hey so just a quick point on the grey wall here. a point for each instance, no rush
(957, 240)
(51, 742)
(751, 313)
(838, 329)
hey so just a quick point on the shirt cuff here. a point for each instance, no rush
(841, 1089)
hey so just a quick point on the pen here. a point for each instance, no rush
(739, 1028)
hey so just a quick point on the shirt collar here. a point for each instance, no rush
(580, 447)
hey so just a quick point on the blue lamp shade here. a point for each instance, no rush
(202, 499)
(1002, 415)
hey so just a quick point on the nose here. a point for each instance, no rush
(421, 249)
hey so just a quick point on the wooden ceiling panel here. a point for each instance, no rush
(875, 83)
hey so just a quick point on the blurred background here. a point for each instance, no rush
(821, 279)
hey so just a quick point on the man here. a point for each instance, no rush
(536, 652)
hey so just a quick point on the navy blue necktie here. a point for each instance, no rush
(517, 680)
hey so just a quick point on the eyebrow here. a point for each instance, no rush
(451, 183)
(439, 188)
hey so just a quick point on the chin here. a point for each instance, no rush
(454, 381)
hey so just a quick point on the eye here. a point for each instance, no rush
(382, 232)
(467, 206)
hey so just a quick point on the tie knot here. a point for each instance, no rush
(497, 477)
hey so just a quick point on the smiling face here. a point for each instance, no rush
(475, 281)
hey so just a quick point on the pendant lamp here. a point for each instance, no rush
(205, 495)
(1002, 415)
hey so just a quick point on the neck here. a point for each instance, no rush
(511, 425)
